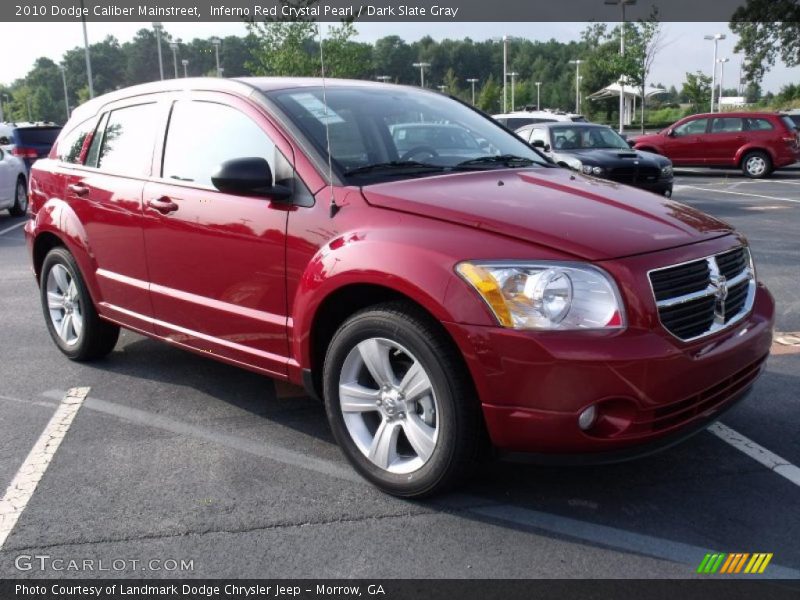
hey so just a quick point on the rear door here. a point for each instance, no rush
(217, 260)
(726, 136)
(105, 191)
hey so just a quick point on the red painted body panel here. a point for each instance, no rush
(723, 149)
(242, 279)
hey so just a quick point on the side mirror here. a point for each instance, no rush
(541, 144)
(670, 133)
(248, 177)
(631, 143)
(4, 141)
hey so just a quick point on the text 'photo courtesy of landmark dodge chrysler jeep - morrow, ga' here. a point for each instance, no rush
(440, 303)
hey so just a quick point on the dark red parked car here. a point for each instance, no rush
(755, 142)
(436, 301)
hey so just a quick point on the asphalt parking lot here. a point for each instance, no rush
(173, 457)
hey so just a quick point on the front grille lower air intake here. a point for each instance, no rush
(701, 297)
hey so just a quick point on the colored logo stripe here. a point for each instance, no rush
(734, 563)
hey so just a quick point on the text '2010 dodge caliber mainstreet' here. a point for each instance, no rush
(436, 280)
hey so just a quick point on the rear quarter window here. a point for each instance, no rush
(70, 146)
(759, 125)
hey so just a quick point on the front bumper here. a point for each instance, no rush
(650, 388)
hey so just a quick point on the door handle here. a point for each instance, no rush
(163, 205)
(78, 189)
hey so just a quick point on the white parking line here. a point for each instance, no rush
(21, 488)
(12, 228)
(694, 187)
(772, 461)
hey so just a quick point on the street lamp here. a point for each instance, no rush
(622, 4)
(513, 76)
(580, 99)
(505, 69)
(216, 42)
(715, 38)
(174, 47)
(721, 62)
(159, 28)
(472, 81)
(578, 62)
(63, 70)
(538, 94)
(86, 52)
(442, 88)
(185, 63)
(384, 78)
(421, 66)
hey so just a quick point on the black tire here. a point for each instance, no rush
(458, 415)
(20, 207)
(97, 337)
(756, 164)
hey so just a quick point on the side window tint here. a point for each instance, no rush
(727, 125)
(127, 146)
(97, 139)
(696, 127)
(759, 124)
(71, 145)
(202, 135)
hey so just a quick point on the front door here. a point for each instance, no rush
(216, 260)
(685, 146)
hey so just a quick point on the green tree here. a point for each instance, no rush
(697, 90)
(767, 29)
(393, 57)
(345, 57)
(490, 96)
(283, 48)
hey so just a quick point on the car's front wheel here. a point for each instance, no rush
(757, 164)
(70, 315)
(20, 206)
(399, 401)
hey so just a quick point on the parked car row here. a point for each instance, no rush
(20, 145)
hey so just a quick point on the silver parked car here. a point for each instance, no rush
(13, 183)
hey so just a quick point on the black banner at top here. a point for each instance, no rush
(377, 10)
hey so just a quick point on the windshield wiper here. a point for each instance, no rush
(506, 160)
(395, 165)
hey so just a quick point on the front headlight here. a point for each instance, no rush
(590, 170)
(666, 171)
(546, 295)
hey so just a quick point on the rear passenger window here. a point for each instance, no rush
(71, 145)
(727, 125)
(201, 135)
(759, 125)
(127, 146)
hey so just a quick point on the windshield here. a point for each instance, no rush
(389, 133)
(585, 138)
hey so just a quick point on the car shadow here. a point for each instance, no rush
(701, 492)
(791, 172)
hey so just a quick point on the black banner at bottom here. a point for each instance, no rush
(399, 589)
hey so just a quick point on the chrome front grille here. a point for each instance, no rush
(703, 296)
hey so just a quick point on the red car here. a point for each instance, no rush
(756, 143)
(436, 301)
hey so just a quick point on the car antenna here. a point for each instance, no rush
(334, 208)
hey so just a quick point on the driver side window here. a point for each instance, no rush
(696, 127)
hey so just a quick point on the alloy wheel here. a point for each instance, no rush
(64, 305)
(22, 196)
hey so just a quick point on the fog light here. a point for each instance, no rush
(587, 418)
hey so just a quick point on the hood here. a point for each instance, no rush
(587, 217)
(615, 157)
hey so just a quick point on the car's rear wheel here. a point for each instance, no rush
(70, 315)
(399, 401)
(20, 206)
(756, 164)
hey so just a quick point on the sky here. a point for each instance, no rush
(685, 48)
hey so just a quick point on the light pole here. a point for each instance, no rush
(622, 4)
(578, 62)
(222, 71)
(442, 88)
(63, 70)
(30, 112)
(174, 47)
(715, 38)
(721, 62)
(216, 42)
(421, 66)
(505, 71)
(384, 78)
(580, 83)
(86, 52)
(513, 76)
(2, 116)
(185, 63)
(472, 81)
(538, 94)
(158, 28)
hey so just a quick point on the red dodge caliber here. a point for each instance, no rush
(438, 282)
